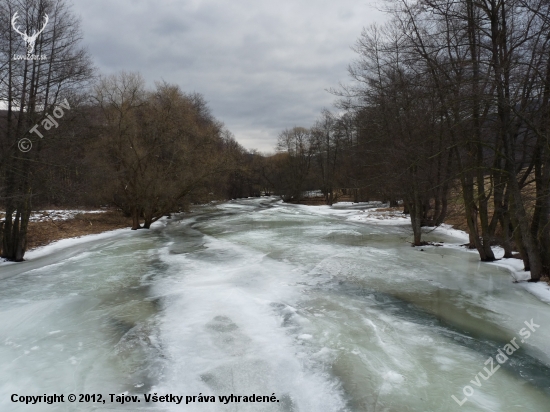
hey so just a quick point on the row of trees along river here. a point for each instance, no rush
(448, 108)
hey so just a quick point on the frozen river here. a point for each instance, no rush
(256, 297)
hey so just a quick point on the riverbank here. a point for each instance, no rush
(51, 226)
(48, 227)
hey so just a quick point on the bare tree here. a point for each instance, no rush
(163, 145)
(31, 87)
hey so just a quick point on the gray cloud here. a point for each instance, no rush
(262, 66)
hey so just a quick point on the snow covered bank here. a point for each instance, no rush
(57, 214)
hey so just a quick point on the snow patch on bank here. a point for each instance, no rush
(380, 217)
(448, 230)
(369, 212)
(57, 214)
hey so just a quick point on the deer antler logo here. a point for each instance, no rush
(30, 40)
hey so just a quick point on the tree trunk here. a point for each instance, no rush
(501, 71)
(148, 220)
(471, 215)
(135, 218)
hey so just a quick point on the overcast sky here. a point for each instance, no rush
(263, 66)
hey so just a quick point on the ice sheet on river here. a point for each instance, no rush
(257, 297)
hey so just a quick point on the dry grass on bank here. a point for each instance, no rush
(43, 233)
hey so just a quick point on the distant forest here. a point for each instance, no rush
(448, 107)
